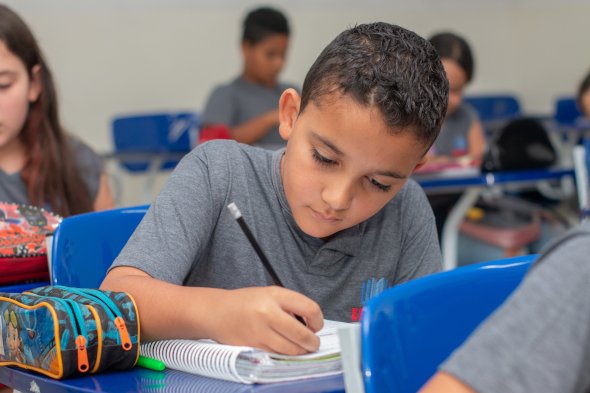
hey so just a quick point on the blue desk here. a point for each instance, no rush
(13, 288)
(474, 184)
(142, 380)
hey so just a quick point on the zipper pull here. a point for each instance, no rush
(82, 354)
(125, 340)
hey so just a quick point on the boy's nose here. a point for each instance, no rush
(338, 195)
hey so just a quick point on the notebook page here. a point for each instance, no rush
(329, 343)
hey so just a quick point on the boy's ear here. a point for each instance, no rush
(421, 163)
(289, 104)
(35, 85)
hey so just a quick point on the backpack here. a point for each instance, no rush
(520, 145)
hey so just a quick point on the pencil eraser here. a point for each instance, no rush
(235, 212)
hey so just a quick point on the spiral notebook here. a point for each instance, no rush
(247, 364)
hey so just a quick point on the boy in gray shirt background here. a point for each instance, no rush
(248, 104)
(335, 211)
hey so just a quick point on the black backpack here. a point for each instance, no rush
(522, 144)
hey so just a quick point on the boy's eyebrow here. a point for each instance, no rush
(395, 175)
(332, 147)
(327, 143)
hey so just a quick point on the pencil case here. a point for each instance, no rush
(62, 331)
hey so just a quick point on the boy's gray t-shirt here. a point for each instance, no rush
(188, 236)
(239, 101)
(539, 340)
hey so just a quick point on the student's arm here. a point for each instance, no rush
(254, 129)
(261, 317)
(476, 141)
(104, 198)
(445, 383)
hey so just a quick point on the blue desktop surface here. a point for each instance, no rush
(440, 181)
(143, 380)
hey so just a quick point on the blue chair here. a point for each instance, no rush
(150, 143)
(410, 329)
(84, 246)
(567, 112)
(17, 288)
(156, 133)
(495, 108)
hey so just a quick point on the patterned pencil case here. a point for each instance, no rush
(60, 331)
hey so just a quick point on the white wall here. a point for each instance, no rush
(117, 56)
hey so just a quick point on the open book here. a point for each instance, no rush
(246, 364)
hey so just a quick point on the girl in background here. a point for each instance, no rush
(40, 164)
(461, 137)
(462, 133)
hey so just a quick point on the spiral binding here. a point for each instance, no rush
(197, 357)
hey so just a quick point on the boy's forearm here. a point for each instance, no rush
(167, 310)
(253, 130)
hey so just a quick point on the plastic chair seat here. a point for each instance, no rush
(84, 246)
(409, 330)
(154, 133)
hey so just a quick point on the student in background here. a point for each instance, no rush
(248, 104)
(462, 134)
(335, 211)
(39, 163)
(538, 340)
(584, 96)
(461, 138)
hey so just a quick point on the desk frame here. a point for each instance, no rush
(473, 186)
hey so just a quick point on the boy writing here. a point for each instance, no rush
(335, 210)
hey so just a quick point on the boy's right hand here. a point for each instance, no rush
(263, 317)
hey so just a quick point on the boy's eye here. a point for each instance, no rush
(379, 186)
(321, 159)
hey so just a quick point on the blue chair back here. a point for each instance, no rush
(493, 108)
(84, 246)
(408, 330)
(566, 111)
(154, 133)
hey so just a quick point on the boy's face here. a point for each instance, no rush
(585, 103)
(264, 61)
(341, 165)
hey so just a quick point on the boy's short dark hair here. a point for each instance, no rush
(386, 66)
(451, 46)
(263, 22)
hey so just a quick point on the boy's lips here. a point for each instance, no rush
(325, 217)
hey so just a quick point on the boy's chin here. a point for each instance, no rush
(320, 233)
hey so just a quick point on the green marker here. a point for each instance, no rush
(150, 364)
